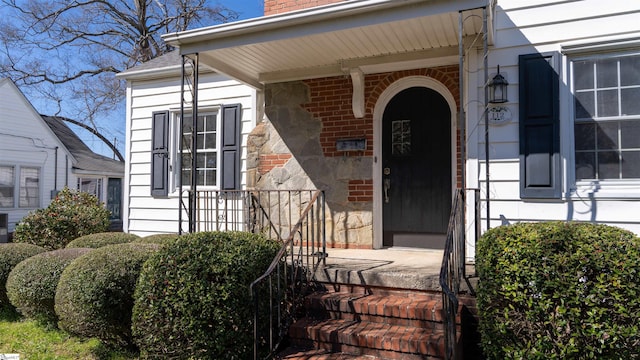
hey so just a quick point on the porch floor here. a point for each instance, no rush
(399, 268)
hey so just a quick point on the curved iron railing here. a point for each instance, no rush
(452, 272)
(278, 293)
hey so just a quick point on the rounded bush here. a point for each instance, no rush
(70, 215)
(192, 299)
(31, 286)
(10, 256)
(99, 240)
(559, 290)
(161, 239)
(94, 297)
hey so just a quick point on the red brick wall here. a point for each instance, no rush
(360, 190)
(282, 6)
(271, 161)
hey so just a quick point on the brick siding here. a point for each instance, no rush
(270, 161)
(360, 190)
(272, 7)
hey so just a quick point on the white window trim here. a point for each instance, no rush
(174, 155)
(623, 189)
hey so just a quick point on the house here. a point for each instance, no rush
(389, 106)
(94, 173)
(40, 155)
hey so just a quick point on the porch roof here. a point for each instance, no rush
(331, 40)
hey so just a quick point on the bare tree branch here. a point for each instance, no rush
(68, 51)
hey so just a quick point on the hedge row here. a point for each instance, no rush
(559, 291)
(185, 297)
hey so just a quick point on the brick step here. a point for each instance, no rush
(319, 354)
(409, 309)
(368, 338)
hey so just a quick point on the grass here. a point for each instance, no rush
(35, 341)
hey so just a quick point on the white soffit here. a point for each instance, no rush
(373, 35)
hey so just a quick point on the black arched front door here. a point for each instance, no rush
(416, 169)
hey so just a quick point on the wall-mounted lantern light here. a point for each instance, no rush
(498, 89)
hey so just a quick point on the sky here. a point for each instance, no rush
(246, 9)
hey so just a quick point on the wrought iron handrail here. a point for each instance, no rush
(452, 271)
(278, 293)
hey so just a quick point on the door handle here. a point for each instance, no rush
(387, 186)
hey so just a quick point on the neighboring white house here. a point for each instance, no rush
(367, 99)
(39, 158)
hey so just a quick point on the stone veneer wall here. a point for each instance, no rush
(294, 147)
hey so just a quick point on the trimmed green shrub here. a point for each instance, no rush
(559, 290)
(70, 215)
(161, 239)
(31, 286)
(192, 299)
(94, 297)
(99, 240)
(10, 256)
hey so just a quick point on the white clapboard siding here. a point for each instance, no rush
(27, 141)
(148, 215)
(525, 27)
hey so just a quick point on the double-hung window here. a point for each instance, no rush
(206, 163)
(20, 181)
(217, 153)
(92, 186)
(606, 90)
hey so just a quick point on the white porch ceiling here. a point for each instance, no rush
(371, 35)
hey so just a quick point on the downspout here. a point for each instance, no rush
(55, 170)
(485, 49)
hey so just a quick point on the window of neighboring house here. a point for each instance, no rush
(607, 116)
(92, 186)
(29, 187)
(7, 186)
(206, 152)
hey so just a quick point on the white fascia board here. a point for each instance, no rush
(335, 17)
(168, 71)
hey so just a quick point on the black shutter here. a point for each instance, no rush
(160, 154)
(540, 173)
(230, 149)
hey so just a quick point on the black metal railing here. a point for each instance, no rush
(271, 212)
(279, 292)
(452, 272)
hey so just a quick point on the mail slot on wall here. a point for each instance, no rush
(359, 144)
(4, 228)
